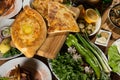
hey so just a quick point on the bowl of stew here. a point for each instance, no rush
(114, 15)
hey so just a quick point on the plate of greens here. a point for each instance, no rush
(7, 48)
(80, 59)
(114, 56)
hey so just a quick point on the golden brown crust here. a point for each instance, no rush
(41, 6)
(60, 19)
(28, 31)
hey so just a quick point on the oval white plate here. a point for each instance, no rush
(4, 23)
(50, 65)
(17, 7)
(27, 63)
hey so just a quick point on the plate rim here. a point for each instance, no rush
(41, 66)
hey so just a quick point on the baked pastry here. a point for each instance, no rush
(28, 31)
(60, 19)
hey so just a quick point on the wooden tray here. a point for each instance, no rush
(52, 45)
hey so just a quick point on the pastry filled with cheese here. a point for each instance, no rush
(28, 31)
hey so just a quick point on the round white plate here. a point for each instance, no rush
(27, 63)
(17, 7)
(117, 43)
(97, 25)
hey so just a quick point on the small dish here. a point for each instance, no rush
(36, 67)
(103, 37)
(13, 10)
(90, 28)
(97, 26)
(114, 15)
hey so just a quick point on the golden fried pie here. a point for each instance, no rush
(28, 31)
(60, 19)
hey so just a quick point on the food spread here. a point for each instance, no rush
(41, 18)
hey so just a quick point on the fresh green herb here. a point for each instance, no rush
(13, 51)
(67, 68)
(114, 58)
(98, 35)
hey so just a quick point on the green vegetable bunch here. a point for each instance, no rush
(67, 68)
(92, 55)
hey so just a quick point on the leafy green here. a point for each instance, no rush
(114, 58)
(13, 51)
(67, 68)
(4, 78)
(94, 50)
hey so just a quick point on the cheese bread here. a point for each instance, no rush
(28, 31)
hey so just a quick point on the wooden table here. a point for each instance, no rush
(106, 25)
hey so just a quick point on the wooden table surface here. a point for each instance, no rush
(106, 25)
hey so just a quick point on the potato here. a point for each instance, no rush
(5, 45)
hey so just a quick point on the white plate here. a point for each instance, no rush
(17, 7)
(97, 26)
(7, 23)
(117, 43)
(27, 63)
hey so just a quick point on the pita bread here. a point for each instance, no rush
(60, 19)
(28, 31)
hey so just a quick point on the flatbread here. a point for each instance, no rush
(28, 31)
(41, 6)
(60, 19)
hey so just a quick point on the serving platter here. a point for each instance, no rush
(31, 65)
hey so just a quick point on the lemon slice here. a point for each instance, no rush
(91, 16)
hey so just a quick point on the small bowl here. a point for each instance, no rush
(114, 15)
